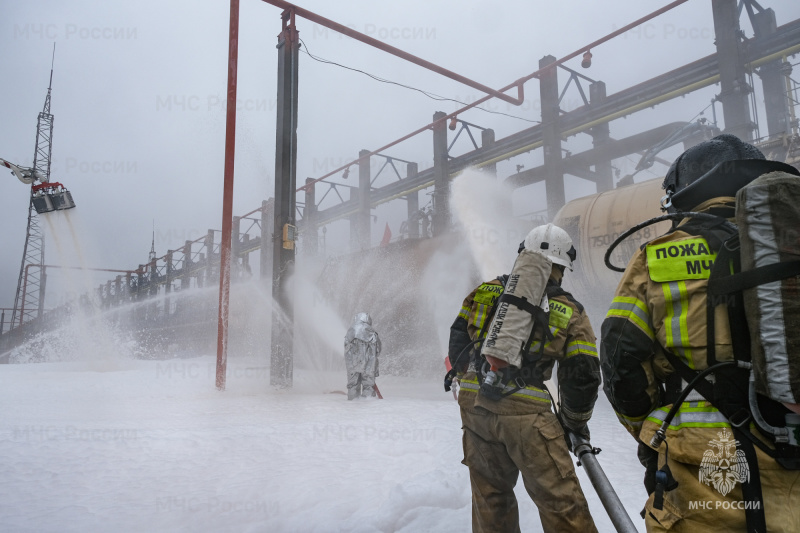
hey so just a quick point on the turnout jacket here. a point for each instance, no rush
(573, 346)
(660, 305)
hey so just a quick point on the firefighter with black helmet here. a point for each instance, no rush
(514, 431)
(714, 472)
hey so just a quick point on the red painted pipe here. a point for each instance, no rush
(313, 17)
(519, 82)
(227, 200)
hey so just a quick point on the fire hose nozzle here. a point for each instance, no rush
(580, 445)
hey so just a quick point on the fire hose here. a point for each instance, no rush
(586, 455)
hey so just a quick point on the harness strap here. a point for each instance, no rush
(727, 256)
(737, 317)
(739, 419)
(711, 341)
(518, 301)
(752, 278)
(751, 489)
(541, 324)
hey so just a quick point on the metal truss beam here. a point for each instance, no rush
(675, 83)
(578, 164)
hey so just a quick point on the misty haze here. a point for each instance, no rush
(149, 385)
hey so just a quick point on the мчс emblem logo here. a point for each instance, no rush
(723, 466)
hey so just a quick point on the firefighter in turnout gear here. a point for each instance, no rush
(519, 433)
(661, 329)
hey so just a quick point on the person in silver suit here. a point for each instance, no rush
(362, 346)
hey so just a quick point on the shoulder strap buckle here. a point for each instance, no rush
(740, 418)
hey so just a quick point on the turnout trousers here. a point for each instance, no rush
(497, 448)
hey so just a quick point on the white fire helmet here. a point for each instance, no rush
(553, 242)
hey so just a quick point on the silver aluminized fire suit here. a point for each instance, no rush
(362, 346)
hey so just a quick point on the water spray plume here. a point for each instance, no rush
(481, 205)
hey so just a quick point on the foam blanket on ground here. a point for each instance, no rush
(152, 446)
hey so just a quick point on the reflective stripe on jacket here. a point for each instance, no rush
(469, 384)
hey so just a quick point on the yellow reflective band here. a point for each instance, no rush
(696, 417)
(537, 345)
(576, 347)
(488, 293)
(480, 315)
(634, 424)
(676, 299)
(633, 318)
(559, 314)
(634, 310)
(679, 260)
(684, 326)
(464, 313)
(632, 304)
(527, 393)
(467, 386)
(531, 393)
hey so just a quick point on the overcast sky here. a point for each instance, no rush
(138, 99)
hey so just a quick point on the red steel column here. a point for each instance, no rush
(227, 200)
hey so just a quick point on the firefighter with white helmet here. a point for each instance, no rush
(508, 424)
(554, 241)
(675, 361)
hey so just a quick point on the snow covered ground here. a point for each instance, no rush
(133, 445)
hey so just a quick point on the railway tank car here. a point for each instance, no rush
(594, 222)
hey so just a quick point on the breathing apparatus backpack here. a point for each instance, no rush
(768, 216)
(517, 316)
(756, 275)
(508, 336)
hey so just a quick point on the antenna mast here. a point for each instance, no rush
(29, 301)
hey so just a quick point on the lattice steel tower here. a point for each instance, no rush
(29, 301)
